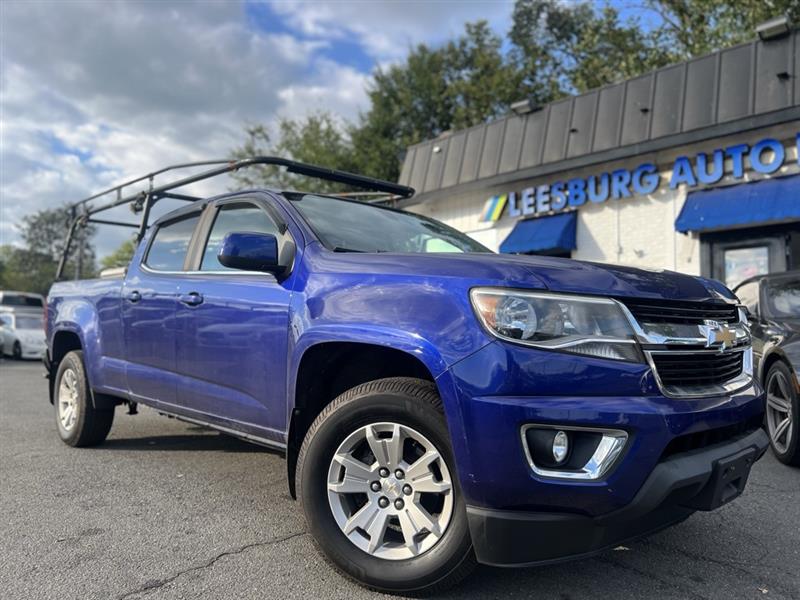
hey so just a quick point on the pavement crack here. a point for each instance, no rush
(159, 583)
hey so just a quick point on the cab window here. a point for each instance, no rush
(170, 243)
(238, 216)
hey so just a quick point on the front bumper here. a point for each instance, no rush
(678, 486)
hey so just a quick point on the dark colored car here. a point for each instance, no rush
(773, 302)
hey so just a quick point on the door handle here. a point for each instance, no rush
(134, 296)
(192, 298)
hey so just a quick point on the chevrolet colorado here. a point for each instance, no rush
(439, 405)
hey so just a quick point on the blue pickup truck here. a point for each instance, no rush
(438, 405)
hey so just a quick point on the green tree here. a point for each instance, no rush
(694, 27)
(317, 139)
(467, 81)
(32, 268)
(121, 257)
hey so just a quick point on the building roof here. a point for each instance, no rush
(749, 86)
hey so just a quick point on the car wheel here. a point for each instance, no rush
(79, 423)
(783, 414)
(16, 351)
(380, 492)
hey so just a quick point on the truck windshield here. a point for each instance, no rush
(353, 226)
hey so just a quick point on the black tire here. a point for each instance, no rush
(90, 426)
(412, 403)
(789, 450)
(16, 351)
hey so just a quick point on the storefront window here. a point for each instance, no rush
(743, 263)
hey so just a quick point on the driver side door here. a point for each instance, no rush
(233, 330)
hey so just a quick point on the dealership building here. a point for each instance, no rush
(693, 167)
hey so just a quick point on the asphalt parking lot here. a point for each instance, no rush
(169, 510)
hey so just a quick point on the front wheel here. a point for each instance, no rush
(79, 422)
(380, 492)
(783, 414)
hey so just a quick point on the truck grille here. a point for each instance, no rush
(697, 368)
(678, 312)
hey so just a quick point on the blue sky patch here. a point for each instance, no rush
(58, 146)
(345, 51)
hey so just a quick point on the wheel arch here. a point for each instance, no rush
(326, 369)
(775, 355)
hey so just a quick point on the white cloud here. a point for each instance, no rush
(389, 28)
(92, 93)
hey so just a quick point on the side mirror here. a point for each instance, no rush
(250, 252)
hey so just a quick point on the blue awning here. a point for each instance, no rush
(758, 203)
(545, 234)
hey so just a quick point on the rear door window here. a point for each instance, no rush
(168, 250)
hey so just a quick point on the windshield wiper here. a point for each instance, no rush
(340, 249)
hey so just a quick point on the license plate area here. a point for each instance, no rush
(727, 481)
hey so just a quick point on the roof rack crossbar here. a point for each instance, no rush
(175, 196)
(107, 222)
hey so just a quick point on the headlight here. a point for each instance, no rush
(577, 324)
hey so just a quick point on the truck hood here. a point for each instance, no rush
(565, 275)
(537, 272)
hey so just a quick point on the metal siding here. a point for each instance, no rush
(452, 165)
(533, 142)
(700, 93)
(717, 90)
(512, 144)
(667, 102)
(636, 114)
(581, 128)
(472, 153)
(557, 129)
(420, 167)
(491, 148)
(796, 99)
(773, 58)
(735, 83)
(405, 172)
(434, 175)
(609, 114)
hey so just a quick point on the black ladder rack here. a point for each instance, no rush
(143, 201)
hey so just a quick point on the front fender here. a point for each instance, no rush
(405, 341)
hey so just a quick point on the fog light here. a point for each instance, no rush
(560, 446)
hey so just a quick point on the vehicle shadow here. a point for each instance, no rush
(205, 440)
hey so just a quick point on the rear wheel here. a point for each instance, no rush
(379, 489)
(79, 423)
(783, 414)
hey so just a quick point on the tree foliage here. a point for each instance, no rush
(317, 139)
(121, 257)
(32, 268)
(553, 48)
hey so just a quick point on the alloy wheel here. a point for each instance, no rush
(390, 491)
(68, 399)
(779, 411)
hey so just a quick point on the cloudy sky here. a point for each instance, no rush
(95, 92)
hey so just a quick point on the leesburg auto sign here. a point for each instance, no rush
(765, 157)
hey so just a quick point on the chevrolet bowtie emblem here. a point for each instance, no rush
(717, 335)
